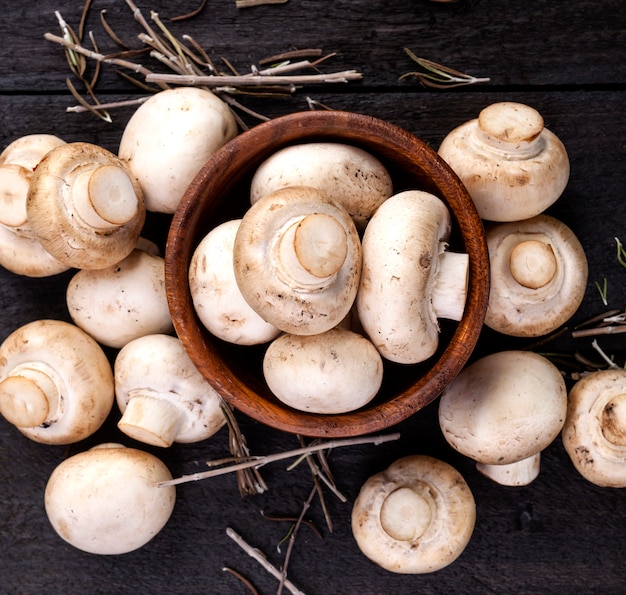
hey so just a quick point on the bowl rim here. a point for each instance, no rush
(221, 173)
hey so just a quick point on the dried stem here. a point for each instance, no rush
(262, 560)
(242, 578)
(260, 461)
(252, 80)
(439, 76)
(251, 3)
(292, 540)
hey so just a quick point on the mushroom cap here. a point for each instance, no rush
(345, 173)
(121, 302)
(401, 246)
(301, 278)
(330, 372)
(415, 517)
(594, 434)
(26, 256)
(504, 407)
(73, 369)
(28, 150)
(161, 394)
(216, 297)
(106, 500)
(513, 167)
(192, 123)
(84, 206)
(538, 276)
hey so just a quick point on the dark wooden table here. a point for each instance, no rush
(558, 535)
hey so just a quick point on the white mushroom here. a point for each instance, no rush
(56, 383)
(538, 276)
(331, 372)
(216, 297)
(346, 174)
(297, 259)
(121, 302)
(107, 500)
(170, 137)
(84, 206)
(415, 517)
(513, 167)
(20, 250)
(408, 279)
(502, 411)
(162, 396)
(594, 434)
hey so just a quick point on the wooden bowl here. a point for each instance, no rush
(220, 192)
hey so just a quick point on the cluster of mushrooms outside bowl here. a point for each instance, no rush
(221, 191)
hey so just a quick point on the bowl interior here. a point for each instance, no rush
(220, 192)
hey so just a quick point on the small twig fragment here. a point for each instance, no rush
(257, 555)
(439, 76)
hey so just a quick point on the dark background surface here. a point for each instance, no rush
(558, 534)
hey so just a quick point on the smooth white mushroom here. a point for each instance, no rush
(216, 297)
(346, 174)
(20, 250)
(107, 500)
(331, 372)
(594, 434)
(297, 259)
(56, 383)
(513, 167)
(538, 276)
(502, 411)
(123, 301)
(84, 206)
(415, 517)
(170, 137)
(408, 279)
(161, 394)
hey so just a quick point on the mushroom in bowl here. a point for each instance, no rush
(221, 192)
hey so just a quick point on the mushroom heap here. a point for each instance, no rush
(334, 271)
(76, 205)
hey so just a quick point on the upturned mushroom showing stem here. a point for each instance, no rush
(513, 167)
(408, 279)
(84, 206)
(20, 250)
(538, 276)
(297, 260)
(162, 396)
(502, 411)
(415, 517)
(56, 383)
(594, 434)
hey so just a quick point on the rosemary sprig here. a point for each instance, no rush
(190, 65)
(621, 252)
(439, 76)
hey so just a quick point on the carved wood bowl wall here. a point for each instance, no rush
(220, 192)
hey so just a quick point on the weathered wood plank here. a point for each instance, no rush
(538, 43)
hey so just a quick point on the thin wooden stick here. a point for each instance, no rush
(253, 80)
(260, 461)
(261, 559)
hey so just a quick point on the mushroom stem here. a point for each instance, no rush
(520, 473)
(406, 514)
(450, 289)
(28, 397)
(614, 420)
(533, 263)
(152, 419)
(104, 197)
(311, 250)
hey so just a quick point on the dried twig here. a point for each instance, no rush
(439, 76)
(251, 3)
(260, 461)
(242, 578)
(262, 560)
